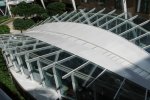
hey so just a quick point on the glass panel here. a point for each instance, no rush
(65, 84)
(132, 91)
(82, 92)
(63, 55)
(52, 58)
(35, 71)
(110, 82)
(43, 64)
(145, 6)
(143, 41)
(133, 34)
(101, 89)
(148, 96)
(74, 62)
(42, 45)
(46, 51)
(49, 78)
(97, 72)
(148, 50)
(112, 24)
(25, 69)
(87, 69)
(30, 42)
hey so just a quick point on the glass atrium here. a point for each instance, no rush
(74, 77)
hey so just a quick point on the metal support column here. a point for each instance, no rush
(74, 5)
(139, 6)
(41, 73)
(29, 66)
(124, 3)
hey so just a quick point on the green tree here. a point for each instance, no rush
(22, 9)
(22, 24)
(56, 8)
(4, 29)
(37, 9)
(28, 10)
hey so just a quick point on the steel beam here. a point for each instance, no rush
(113, 19)
(119, 88)
(29, 66)
(76, 69)
(132, 18)
(41, 73)
(24, 46)
(68, 16)
(111, 12)
(140, 36)
(56, 18)
(30, 51)
(61, 61)
(96, 77)
(92, 71)
(146, 47)
(85, 16)
(74, 16)
(44, 56)
(146, 93)
(79, 18)
(123, 33)
(74, 84)
(95, 14)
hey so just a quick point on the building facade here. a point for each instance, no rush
(141, 7)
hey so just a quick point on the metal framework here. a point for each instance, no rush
(110, 21)
(25, 57)
(44, 63)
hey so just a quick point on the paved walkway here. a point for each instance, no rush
(12, 30)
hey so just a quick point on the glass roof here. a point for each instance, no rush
(72, 76)
(109, 21)
(66, 72)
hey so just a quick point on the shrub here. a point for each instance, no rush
(4, 29)
(22, 24)
(56, 8)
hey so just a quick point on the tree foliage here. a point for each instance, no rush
(22, 24)
(22, 9)
(4, 29)
(37, 9)
(27, 10)
(56, 8)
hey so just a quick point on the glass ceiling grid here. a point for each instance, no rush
(70, 72)
(67, 16)
(56, 77)
(96, 18)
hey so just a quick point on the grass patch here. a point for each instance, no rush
(3, 18)
(6, 82)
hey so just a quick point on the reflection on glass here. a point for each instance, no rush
(65, 85)
(131, 91)
(35, 71)
(74, 62)
(148, 95)
(49, 78)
